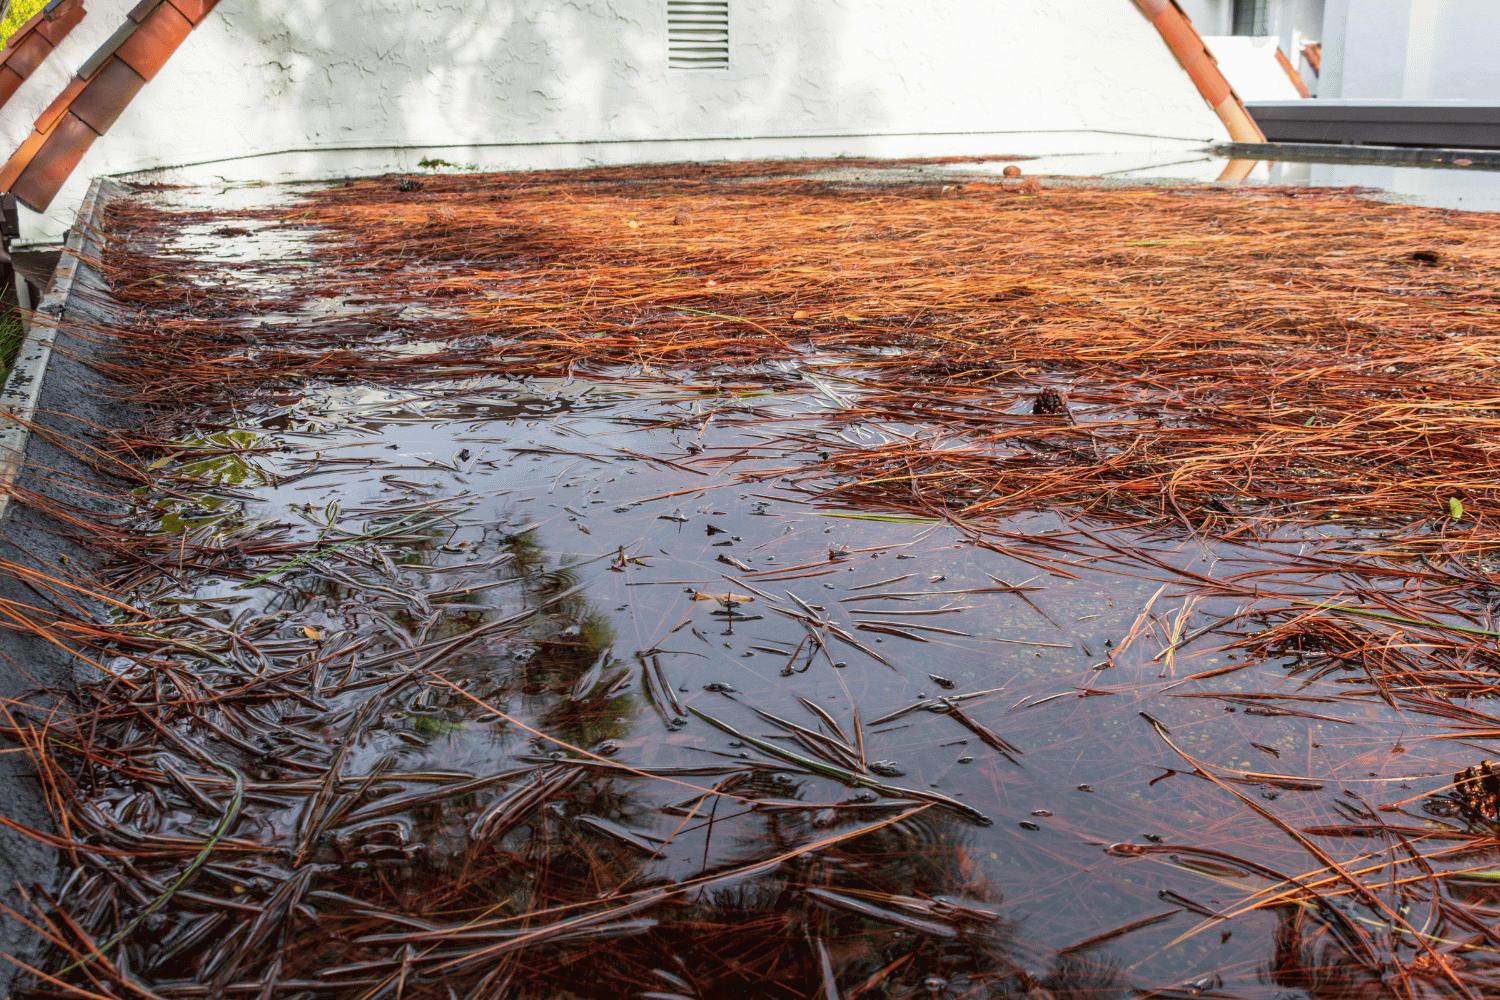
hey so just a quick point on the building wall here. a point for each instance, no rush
(1300, 23)
(1412, 49)
(1293, 23)
(1210, 17)
(1249, 64)
(335, 87)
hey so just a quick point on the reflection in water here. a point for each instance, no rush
(1313, 955)
(470, 737)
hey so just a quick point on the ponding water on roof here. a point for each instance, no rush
(695, 582)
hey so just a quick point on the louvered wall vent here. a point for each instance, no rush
(698, 34)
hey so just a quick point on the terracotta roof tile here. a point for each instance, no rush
(28, 55)
(154, 40)
(1211, 82)
(194, 10)
(46, 119)
(10, 82)
(96, 96)
(19, 159)
(1313, 53)
(64, 17)
(101, 55)
(1189, 48)
(107, 94)
(50, 167)
(139, 11)
(1292, 74)
(1186, 43)
(33, 41)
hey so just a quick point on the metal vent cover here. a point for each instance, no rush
(698, 34)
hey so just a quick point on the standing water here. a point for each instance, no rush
(529, 610)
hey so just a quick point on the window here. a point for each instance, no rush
(698, 34)
(1250, 17)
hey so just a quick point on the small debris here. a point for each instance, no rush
(1050, 402)
(1478, 787)
(724, 597)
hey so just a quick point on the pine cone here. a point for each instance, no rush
(1050, 401)
(1479, 788)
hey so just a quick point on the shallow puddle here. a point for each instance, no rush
(566, 622)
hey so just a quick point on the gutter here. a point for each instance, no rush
(54, 389)
(23, 386)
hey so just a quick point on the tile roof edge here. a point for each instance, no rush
(1177, 30)
(46, 28)
(38, 144)
(54, 11)
(58, 8)
(95, 62)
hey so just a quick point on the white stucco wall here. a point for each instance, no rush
(1412, 49)
(1291, 23)
(1249, 64)
(323, 88)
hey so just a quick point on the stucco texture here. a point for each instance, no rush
(818, 77)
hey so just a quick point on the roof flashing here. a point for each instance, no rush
(96, 61)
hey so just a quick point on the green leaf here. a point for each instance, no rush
(1455, 508)
(895, 518)
(402, 525)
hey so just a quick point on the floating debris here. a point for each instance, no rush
(1478, 787)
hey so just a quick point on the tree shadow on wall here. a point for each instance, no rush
(538, 72)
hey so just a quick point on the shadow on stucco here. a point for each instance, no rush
(591, 75)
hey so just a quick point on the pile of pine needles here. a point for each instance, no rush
(1227, 354)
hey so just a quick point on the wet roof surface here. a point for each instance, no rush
(499, 635)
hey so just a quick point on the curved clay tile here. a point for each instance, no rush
(95, 98)
(1190, 49)
(34, 41)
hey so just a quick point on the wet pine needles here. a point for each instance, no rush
(1276, 407)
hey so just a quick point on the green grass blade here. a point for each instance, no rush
(231, 815)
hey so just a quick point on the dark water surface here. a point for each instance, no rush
(671, 591)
